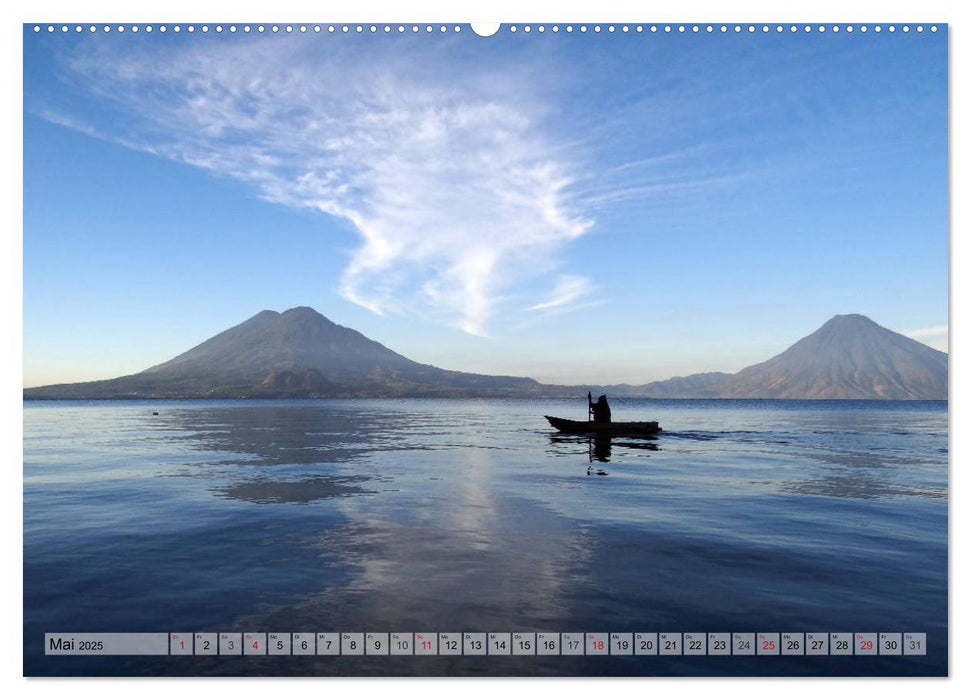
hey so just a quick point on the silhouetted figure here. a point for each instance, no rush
(599, 410)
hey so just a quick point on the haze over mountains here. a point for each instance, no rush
(300, 353)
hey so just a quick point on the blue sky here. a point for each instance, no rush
(575, 208)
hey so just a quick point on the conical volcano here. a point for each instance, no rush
(849, 357)
(297, 353)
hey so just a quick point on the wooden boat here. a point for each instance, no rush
(589, 427)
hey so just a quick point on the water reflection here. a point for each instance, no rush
(600, 447)
(860, 484)
(275, 435)
(284, 454)
(475, 558)
(443, 528)
(301, 491)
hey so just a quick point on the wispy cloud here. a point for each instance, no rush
(691, 184)
(928, 332)
(567, 291)
(455, 189)
(935, 336)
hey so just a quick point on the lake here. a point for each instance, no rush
(473, 516)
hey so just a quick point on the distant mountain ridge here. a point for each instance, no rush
(704, 385)
(300, 353)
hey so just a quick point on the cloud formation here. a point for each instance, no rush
(454, 187)
(933, 336)
(928, 332)
(568, 290)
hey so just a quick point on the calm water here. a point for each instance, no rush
(461, 516)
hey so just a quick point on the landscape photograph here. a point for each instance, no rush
(426, 350)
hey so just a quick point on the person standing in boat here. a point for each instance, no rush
(600, 410)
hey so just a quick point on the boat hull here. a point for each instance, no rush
(578, 427)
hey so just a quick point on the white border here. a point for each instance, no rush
(619, 11)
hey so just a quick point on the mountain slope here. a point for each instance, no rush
(696, 386)
(295, 353)
(848, 357)
(704, 385)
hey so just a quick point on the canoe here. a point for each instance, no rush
(581, 427)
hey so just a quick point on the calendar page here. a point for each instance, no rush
(544, 349)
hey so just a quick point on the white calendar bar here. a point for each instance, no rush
(507, 644)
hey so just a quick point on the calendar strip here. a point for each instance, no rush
(487, 644)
